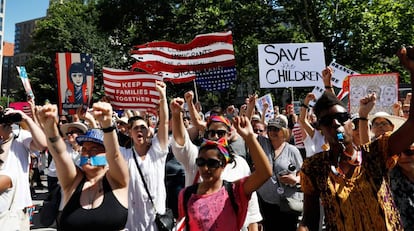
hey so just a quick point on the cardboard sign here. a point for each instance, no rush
(290, 65)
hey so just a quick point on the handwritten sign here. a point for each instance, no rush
(340, 73)
(384, 85)
(290, 64)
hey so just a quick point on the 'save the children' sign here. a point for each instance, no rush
(291, 65)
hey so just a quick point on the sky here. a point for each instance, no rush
(20, 11)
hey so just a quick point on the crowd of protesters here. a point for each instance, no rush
(224, 169)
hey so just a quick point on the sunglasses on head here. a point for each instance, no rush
(211, 163)
(341, 117)
(219, 133)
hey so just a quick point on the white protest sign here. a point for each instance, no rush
(384, 85)
(290, 64)
(260, 106)
(340, 73)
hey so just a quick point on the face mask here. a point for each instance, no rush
(93, 160)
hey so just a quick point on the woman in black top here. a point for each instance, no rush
(95, 196)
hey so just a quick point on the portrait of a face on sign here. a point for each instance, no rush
(385, 86)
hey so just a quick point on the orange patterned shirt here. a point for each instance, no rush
(362, 202)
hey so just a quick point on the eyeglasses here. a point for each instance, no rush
(73, 132)
(341, 117)
(211, 163)
(273, 129)
(219, 133)
(383, 123)
(408, 152)
(140, 128)
(258, 130)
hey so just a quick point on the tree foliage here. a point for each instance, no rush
(362, 35)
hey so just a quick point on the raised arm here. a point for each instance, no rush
(198, 123)
(163, 115)
(178, 128)
(263, 170)
(250, 106)
(326, 78)
(303, 115)
(118, 168)
(365, 106)
(65, 168)
(404, 136)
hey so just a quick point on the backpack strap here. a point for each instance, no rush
(229, 188)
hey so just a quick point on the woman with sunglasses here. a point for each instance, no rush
(210, 207)
(402, 187)
(286, 161)
(95, 195)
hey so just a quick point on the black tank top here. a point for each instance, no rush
(110, 215)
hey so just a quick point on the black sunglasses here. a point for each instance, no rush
(73, 132)
(408, 152)
(211, 163)
(220, 133)
(342, 117)
(258, 130)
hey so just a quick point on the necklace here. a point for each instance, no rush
(92, 196)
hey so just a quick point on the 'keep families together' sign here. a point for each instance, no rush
(290, 64)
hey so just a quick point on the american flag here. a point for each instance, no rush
(25, 80)
(22, 106)
(131, 90)
(63, 64)
(209, 57)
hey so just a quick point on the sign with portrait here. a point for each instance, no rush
(291, 65)
(384, 85)
(75, 81)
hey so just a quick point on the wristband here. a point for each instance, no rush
(328, 87)
(304, 105)
(363, 118)
(109, 129)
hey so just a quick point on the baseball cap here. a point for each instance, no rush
(280, 121)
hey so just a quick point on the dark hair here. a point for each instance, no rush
(221, 155)
(216, 110)
(135, 118)
(326, 101)
(77, 68)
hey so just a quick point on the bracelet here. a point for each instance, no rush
(109, 129)
(304, 105)
(363, 118)
(328, 87)
(54, 139)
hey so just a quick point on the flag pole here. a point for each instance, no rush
(195, 90)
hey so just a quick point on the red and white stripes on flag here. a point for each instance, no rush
(131, 90)
(180, 63)
(66, 92)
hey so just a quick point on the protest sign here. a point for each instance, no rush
(75, 81)
(131, 90)
(384, 85)
(290, 65)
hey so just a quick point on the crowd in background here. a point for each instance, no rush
(218, 169)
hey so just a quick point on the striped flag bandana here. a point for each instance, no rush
(221, 119)
(221, 145)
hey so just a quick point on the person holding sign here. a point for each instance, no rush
(354, 196)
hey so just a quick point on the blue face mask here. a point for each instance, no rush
(93, 160)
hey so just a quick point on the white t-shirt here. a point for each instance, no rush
(314, 144)
(187, 154)
(17, 165)
(141, 213)
(7, 196)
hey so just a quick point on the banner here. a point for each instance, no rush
(22, 106)
(290, 65)
(209, 59)
(269, 114)
(25, 81)
(131, 90)
(75, 81)
(384, 85)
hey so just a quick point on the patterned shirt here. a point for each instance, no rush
(362, 202)
(403, 194)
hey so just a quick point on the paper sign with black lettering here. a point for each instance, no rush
(384, 85)
(290, 64)
(340, 73)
